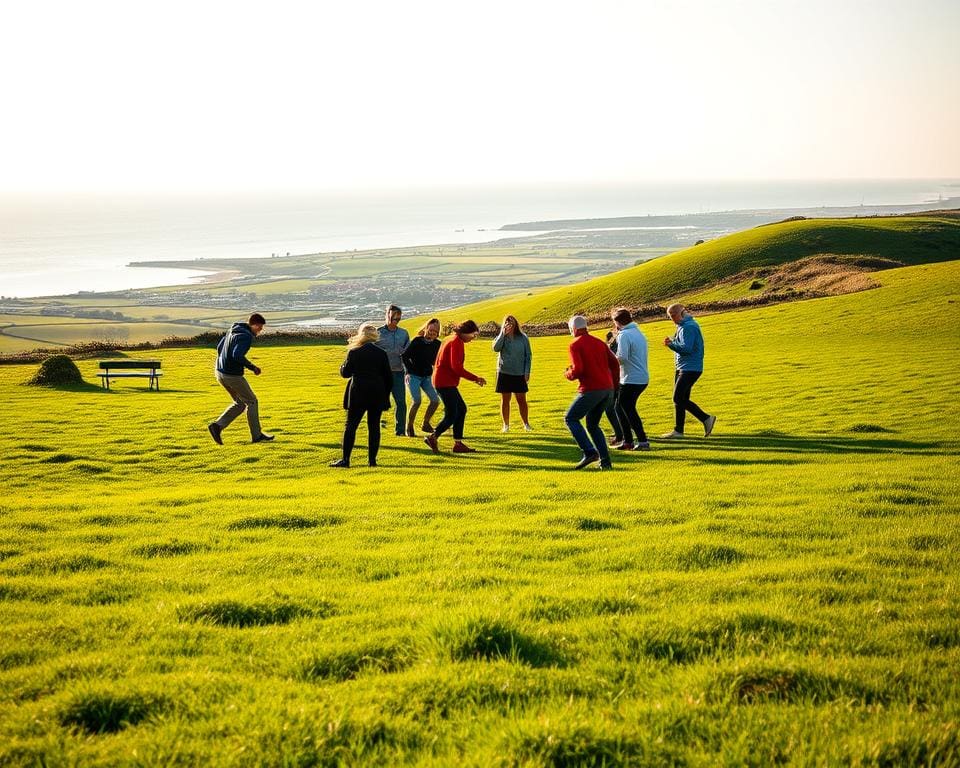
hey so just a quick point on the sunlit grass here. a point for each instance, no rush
(785, 591)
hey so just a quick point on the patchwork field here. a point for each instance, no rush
(783, 592)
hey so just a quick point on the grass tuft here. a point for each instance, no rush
(346, 663)
(477, 638)
(169, 549)
(101, 711)
(233, 613)
(753, 684)
(284, 522)
(703, 556)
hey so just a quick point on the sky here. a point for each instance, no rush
(233, 95)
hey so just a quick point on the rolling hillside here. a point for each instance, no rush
(909, 240)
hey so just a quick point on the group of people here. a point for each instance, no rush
(384, 362)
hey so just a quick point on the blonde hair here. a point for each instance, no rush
(366, 332)
(423, 328)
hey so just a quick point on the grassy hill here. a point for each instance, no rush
(785, 591)
(909, 240)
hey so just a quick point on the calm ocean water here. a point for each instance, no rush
(59, 244)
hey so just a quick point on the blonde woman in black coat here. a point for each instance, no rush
(368, 391)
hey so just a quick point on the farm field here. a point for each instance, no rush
(785, 591)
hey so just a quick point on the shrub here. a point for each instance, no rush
(57, 371)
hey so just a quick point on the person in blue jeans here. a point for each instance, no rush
(418, 360)
(687, 344)
(596, 368)
(393, 340)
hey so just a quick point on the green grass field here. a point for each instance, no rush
(909, 240)
(783, 592)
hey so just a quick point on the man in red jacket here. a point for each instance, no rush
(596, 368)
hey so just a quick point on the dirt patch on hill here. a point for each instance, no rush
(825, 274)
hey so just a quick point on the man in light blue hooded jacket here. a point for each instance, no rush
(687, 344)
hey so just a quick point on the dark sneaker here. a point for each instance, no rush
(432, 442)
(215, 430)
(606, 466)
(615, 440)
(644, 446)
(263, 437)
(590, 458)
(371, 464)
(411, 432)
(340, 463)
(463, 448)
(708, 425)
(624, 446)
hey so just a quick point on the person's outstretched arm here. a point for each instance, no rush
(498, 342)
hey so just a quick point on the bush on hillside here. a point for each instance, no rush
(55, 371)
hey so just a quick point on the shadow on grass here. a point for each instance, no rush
(85, 386)
(783, 443)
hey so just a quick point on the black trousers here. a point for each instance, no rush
(454, 412)
(630, 421)
(354, 417)
(683, 383)
(612, 416)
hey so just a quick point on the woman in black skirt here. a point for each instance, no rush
(514, 360)
(368, 391)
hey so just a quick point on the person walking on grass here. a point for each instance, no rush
(367, 392)
(634, 378)
(596, 368)
(231, 362)
(418, 359)
(514, 359)
(687, 343)
(393, 340)
(446, 378)
(611, 409)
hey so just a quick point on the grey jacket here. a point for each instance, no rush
(515, 357)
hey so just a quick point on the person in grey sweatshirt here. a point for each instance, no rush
(688, 348)
(514, 361)
(231, 362)
(394, 340)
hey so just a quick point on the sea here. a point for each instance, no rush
(59, 243)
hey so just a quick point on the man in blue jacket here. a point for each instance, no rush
(687, 343)
(231, 362)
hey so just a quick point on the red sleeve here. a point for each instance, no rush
(457, 357)
(575, 362)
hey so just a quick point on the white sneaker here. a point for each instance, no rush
(527, 428)
(505, 428)
(708, 425)
(673, 435)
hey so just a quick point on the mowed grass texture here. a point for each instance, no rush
(783, 592)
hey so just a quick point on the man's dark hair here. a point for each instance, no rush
(394, 308)
(622, 315)
(256, 319)
(467, 326)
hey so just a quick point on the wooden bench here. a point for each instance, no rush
(130, 369)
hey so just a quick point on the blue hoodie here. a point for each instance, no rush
(688, 344)
(232, 350)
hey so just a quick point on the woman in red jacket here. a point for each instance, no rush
(446, 376)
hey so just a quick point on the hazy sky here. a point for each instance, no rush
(174, 95)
